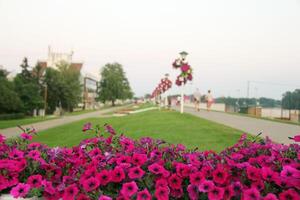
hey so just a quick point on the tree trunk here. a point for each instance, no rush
(113, 102)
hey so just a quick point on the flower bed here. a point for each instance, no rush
(112, 166)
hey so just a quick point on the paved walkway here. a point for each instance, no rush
(40, 126)
(278, 132)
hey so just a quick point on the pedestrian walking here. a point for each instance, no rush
(197, 99)
(209, 100)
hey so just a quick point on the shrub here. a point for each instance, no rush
(114, 166)
(11, 116)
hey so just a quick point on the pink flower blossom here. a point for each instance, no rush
(26, 136)
(206, 186)
(35, 181)
(103, 197)
(162, 193)
(129, 189)
(21, 190)
(216, 193)
(144, 195)
(135, 173)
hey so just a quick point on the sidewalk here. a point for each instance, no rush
(278, 132)
(40, 126)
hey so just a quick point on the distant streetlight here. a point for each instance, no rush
(44, 84)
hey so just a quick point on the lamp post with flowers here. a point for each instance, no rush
(184, 76)
(164, 85)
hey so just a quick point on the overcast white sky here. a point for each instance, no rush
(229, 42)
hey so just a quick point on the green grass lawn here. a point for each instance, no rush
(171, 126)
(28, 120)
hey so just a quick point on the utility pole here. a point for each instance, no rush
(248, 89)
(45, 99)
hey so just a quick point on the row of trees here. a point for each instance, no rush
(26, 91)
(291, 100)
(62, 85)
(263, 101)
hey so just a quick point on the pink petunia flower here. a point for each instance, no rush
(253, 173)
(26, 136)
(104, 177)
(206, 186)
(70, 192)
(117, 174)
(251, 194)
(35, 181)
(175, 181)
(216, 193)
(144, 195)
(138, 159)
(129, 189)
(162, 193)
(34, 154)
(270, 196)
(16, 154)
(193, 192)
(290, 172)
(135, 173)
(268, 174)
(91, 184)
(289, 194)
(196, 178)
(220, 175)
(21, 190)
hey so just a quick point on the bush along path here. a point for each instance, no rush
(112, 166)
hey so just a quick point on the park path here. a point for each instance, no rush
(278, 132)
(40, 126)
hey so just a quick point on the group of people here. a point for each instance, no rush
(208, 99)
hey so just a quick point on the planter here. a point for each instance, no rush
(9, 197)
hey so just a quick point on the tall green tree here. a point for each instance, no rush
(64, 87)
(9, 99)
(114, 84)
(28, 89)
(291, 100)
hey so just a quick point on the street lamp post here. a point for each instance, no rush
(184, 76)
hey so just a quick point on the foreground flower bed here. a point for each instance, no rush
(112, 166)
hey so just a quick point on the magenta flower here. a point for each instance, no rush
(289, 194)
(48, 187)
(117, 175)
(139, 159)
(26, 136)
(135, 173)
(296, 138)
(144, 195)
(253, 173)
(129, 189)
(216, 193)
(35, 181)
(104, 177)
(268, 174)
(185, 67)
(91, 184)
(21, 190)
(16, 154)
(193, 191)
(162, 193)
(220, 175)
(174, 181)
(251, 194)
(206, 186)
(196, 178)
(34, 154)
(70, 192)
(290, 172)
(270, 196)
(86, 127)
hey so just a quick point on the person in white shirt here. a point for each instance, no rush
(209, 100)
(197, 99)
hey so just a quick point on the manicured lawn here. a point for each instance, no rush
(28, 120)
(171, 126)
